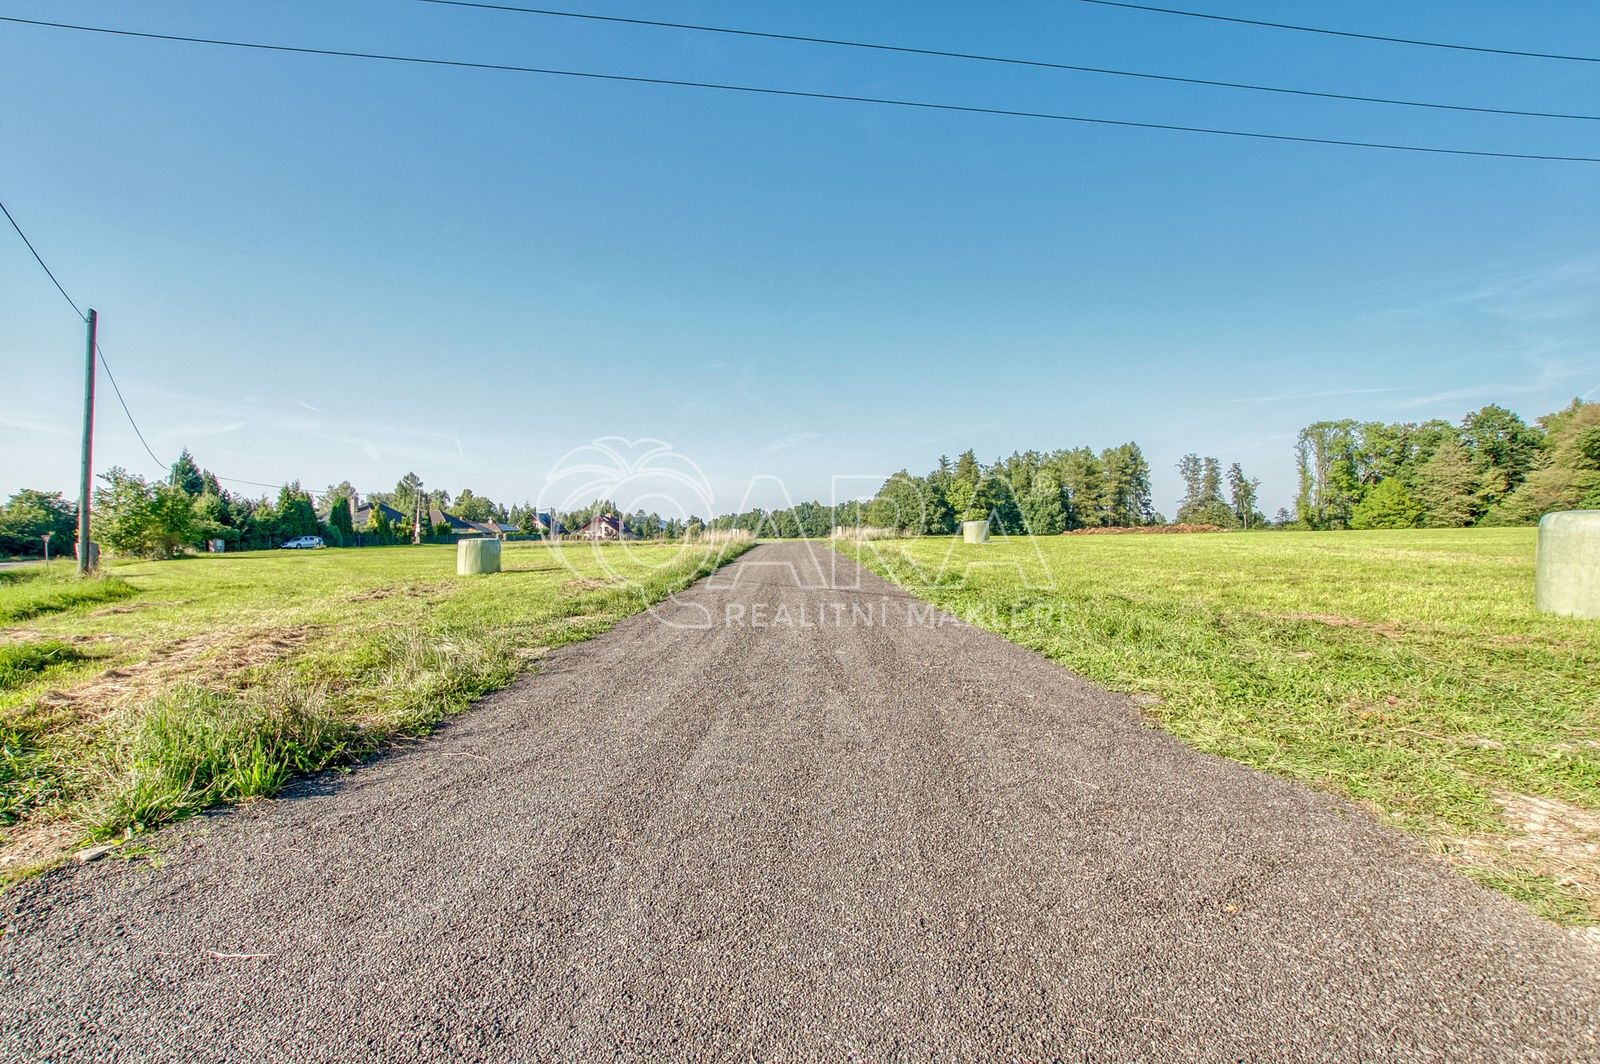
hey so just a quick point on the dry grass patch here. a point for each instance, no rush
(217, 656)
(1334, 620)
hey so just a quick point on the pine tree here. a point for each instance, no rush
(186, 475)
(961, 496)
(1448, 487)
(1084, 483)
(1042, 507)
(1127, 480)
(1211, 483)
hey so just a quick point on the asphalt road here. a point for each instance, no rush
(777, 821)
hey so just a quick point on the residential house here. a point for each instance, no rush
(450, 522)
(361, 517)
(462, 527)
(605, 526)
(499, 529)
(547, 525)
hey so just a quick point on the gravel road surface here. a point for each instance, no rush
(775, 819)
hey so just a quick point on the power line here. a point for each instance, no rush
(82, 317)
(124, 403)
(798, 94)
(1343, 33)
(1008, 60)
(264, 484)
(37, 258)
(100, 354)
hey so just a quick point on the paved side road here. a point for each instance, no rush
(825, 824)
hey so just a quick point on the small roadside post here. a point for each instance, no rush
(46, 538)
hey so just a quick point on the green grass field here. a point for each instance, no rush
(164, 687)
(1406, 670)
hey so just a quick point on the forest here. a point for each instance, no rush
(1042, 492)
(1491, 468)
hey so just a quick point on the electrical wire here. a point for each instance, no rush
(124, 403)
(40, 260)
(253, 483)
(99, 354)
(1343, 33)
(1007, 60)
(798, 94)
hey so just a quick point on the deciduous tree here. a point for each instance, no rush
(1387, 505)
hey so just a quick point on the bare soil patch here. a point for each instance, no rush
(209, 657)
(1334, 620)
(1567, 835)
(130, 607)
(585, 584)
(35, 843)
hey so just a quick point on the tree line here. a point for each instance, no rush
(1491, 468)
(1042, 492)
(135, 516)
(1046, 492)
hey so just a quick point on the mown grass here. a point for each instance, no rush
(33, 591)
(1405, 670)
(229, 675)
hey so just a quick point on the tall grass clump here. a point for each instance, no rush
(33, 592)
(414, 679)
(22, 663)
(722, 536)
(195, 748)
(31, 775)
(865, 532)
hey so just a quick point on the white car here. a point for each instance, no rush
(304, 543)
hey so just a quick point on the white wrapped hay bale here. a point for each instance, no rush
(474, 556)
(975, 531)
(1566, 577)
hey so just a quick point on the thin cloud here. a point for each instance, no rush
(1549, 378)
(32, 425)
(794, 439)
(1555, 293)
(186, 431)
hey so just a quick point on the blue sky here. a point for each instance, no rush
(330, 269)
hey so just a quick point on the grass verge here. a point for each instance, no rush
(233, 674)
(34, 591)
(1405, 670)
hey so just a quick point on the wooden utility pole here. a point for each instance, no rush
(86, 484)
